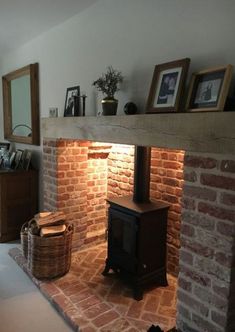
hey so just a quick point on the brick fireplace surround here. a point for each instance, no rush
(80, 175)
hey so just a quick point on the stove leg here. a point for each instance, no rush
(106, 269)
(138, 293)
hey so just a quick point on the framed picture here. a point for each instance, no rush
(18, 156)
(208, 89)
(4, 146)
(53, 112)
(72, 101)
(12, 158)
(167, 86)
(26, 159)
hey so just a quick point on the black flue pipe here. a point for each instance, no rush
(142, 174)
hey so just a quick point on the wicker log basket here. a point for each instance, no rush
(50, 257)
(24, 239)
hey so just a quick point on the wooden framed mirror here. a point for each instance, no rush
(21, 105)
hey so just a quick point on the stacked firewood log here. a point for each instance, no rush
(47, 224)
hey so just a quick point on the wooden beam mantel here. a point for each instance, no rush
(198, 132)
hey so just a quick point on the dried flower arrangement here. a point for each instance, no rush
(108, 82)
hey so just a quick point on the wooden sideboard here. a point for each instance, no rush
(18, 201)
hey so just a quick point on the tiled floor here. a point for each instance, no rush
(92, 302)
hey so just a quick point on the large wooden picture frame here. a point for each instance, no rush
(208, 89)
(15, 128)
(167, 86)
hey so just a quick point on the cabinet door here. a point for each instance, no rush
(18, 202)
(122, 240)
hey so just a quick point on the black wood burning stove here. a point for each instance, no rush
(137, 231)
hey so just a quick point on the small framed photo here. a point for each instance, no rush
(4, 146)
(209, 89)
(18, 156)
(72, 101)
(167, 86)
(26, 159)
(53, 112)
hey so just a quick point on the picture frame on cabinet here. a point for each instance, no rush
(72, 101)
(208, 89)
(167, 86)
(4, 146)
(17, 160)
(26, 160)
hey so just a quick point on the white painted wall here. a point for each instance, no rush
(132, 36)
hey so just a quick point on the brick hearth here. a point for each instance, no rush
(94, 303)
(206, 279)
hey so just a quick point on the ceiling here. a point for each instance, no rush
(23, 20)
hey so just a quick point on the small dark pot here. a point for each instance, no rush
(109, 106)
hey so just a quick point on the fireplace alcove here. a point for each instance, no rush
(206, 281)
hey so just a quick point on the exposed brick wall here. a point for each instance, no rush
(79, 176)
(97, 192)
(50, 182)
(166, 185)
(120, 170)
(206, 295)
(75, 182)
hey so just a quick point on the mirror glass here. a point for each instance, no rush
(20, 101)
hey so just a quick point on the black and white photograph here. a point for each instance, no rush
(18, 158)
(53, 112)
(208, 89)
(167, 86)
(72, 101)
(27, 160)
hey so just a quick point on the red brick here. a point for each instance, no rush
(171, 164)
(197, 277)
(185, 284)
(186, 299)
(135, 310)
(172, 156)
(171, 173)
(205, 295)
(164, 155)
(221, 289)
(196, 247)
(199, 192)
(171, 182)
(216, 211)
(63, 167)
(151, 304)
(187, 230)
(218, 181)
(201, 221)
(179, 175)
(186, 257)
(105, 318)
(170, 198)
(223, 259)
(188, 203)
(227, 199)
(183, 312)
(218, 318)
(226, 229)
(200, 162)
(204, 325)
(155, 153)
